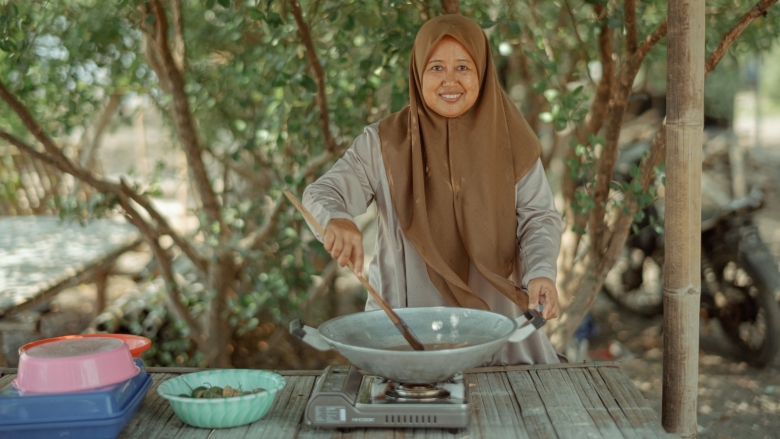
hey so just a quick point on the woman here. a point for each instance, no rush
(465, 213)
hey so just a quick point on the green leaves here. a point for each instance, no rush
(309, 84)
(274, 20)
(8, 46)
(514, 27)
(13, 26)
(583, 203)
(256, 14)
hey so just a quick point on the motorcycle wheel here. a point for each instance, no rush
(748, 312)
(635, 283)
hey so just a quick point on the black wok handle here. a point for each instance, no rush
(309, 335)
(535, 318)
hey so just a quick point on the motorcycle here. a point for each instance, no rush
(740, 277)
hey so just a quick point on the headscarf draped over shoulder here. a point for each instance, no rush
(452, 181)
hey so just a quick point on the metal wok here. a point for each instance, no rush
(365, 339)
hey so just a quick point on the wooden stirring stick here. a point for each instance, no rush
(397, 321)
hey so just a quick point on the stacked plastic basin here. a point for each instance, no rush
(79, 389)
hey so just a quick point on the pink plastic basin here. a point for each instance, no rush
(136, 343)
(75, 365)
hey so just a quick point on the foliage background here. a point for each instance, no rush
(267, 119)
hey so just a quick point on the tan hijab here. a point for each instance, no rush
(452, 181)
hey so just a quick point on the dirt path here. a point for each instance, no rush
(735, 400)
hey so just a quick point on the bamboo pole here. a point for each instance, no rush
(682, 266)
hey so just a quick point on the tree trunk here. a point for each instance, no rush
(219, 333)
(450, 7)
(682, 264)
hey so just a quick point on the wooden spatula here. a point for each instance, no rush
(397, 321)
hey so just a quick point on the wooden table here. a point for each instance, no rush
(43, 255)
(584, 400)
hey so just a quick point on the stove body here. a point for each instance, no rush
(345, 398)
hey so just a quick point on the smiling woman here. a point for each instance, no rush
(450, 81)
(466, 216)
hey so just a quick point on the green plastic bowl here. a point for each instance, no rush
(222, 412)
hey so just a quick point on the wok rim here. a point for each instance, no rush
(337, 344)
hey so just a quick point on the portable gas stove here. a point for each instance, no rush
(344, 397)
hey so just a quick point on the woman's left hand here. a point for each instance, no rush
(542, 290)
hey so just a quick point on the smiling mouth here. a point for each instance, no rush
(451, 97)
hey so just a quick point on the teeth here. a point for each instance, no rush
(451, 96)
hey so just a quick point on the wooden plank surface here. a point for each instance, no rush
(285, 417)
(154, 416)
(561, 420)
(537, 421)
(5, 380)
(621, 418)
(576, 402)
(637, 421)
(598, 409)
(496, 410)
(622, 385)
(561, 398)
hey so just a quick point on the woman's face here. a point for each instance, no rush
(450, 81)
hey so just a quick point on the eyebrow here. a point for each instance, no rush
(462, 59)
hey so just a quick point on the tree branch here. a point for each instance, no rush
(598, 110)
(174, 291)
(617, 109)
(587, 280)
(105, 118)
(581, 43)
(600, 105)
(648, 43)
(85, 155)
(532, 11)
(179, 47)
(327, 275)
(658, 147)
(425, 9)
(588, 286)
(183, 119)
(450, 7)
(133, 216)
(760, 8)
(152, 52)
(22, 146)
(269, 226)
(630, 19)
(319, 74)
(255, 240)
(199, 261)
(56, 158)
(29, 122)
(534, 100)
(626, 217)
(595, 119)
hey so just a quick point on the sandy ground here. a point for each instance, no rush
(735, 400)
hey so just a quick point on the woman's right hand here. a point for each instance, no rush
(345, 243)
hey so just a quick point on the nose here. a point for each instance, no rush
(450, 77)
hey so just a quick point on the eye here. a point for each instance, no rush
(462, 68)
(436, 68)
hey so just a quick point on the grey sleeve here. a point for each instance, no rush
(347, 189)
(539, 226)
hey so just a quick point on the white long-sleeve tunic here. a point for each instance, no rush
(398, 271)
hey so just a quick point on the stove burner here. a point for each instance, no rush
(409, 392)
